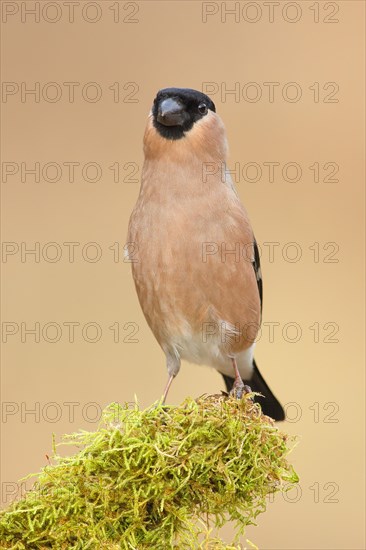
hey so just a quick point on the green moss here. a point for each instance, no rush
(160, 478)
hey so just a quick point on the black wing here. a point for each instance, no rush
(258, 273)
(269, 403)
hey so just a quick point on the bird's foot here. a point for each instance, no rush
(239, 389)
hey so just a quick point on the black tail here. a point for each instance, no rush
(270, 405)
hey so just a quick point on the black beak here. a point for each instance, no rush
(171, 113)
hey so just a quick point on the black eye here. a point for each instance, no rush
(202, 108)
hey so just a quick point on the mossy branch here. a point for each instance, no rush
(160, 478)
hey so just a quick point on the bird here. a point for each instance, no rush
(195, 262)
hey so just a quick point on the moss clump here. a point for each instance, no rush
(159, 478)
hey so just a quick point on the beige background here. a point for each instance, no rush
(321, 382)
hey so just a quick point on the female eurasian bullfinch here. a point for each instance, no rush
(196, 262)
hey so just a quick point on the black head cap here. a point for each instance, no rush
(175, 110)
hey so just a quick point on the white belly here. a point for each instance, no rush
(208, 350)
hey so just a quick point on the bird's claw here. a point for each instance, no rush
(239, 390)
